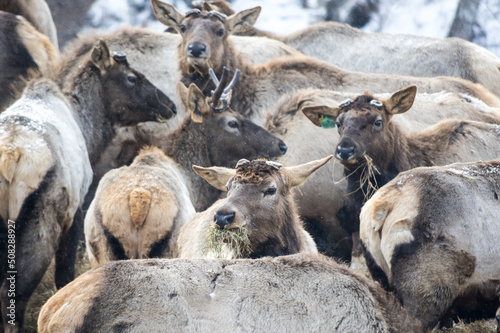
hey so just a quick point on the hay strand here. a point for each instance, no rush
(235, 240)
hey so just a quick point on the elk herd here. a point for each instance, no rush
(219, 177)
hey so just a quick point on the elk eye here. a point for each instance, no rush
(132, 79)
(183, 28)
(233, 124)
(220, 32)
(271, 191)
(378, 123)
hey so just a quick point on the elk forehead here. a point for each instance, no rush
(255, 171)
(196, 13)
(364, 102)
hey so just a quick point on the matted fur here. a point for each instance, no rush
(138, 210)
(431, 235)
(299, 293)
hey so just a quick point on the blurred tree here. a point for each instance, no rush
(465, 20)
(69, 17)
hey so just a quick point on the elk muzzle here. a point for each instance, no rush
(223, 219)
(283, 148)
(197, 50)
(345, 151)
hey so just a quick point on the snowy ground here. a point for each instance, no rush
(431, 18)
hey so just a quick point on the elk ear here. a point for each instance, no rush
(197, 104)
(101, 56)
(322, 115)
(207, 7)
(402, 100)
(215, 176)
(243, 20)
(298, 174)
(167, 14)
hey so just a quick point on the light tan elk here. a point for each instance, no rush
(356, 50)
(205, 45)
(431, 235)
(138, 210)
(299, 293)
(48, 142)
(373, 149)
(259, 206)
(26, 54)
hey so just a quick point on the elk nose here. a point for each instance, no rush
(196, 49)
(223, 220)
(283, 148)
(345, 153)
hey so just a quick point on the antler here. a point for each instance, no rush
(222, 95)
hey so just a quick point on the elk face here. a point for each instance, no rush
(364, 125)
(204, 34)
(230, 135)
(129, 95)
(259, 196)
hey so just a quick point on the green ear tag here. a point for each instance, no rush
(327, 122)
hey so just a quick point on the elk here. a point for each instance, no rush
(431, 236)
(321, 198)
(49, 140)
(211, 134)
(344, 46)
(138, 210)
(26, 54)
(373, 149)
(205, 45)
(37, 12)
(259, 203)
(296, 293)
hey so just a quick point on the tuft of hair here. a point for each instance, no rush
(254, 171)
(235, 240)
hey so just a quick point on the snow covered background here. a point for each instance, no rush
(431, 18)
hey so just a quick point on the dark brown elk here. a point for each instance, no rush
(37, 12)
(26, 54)
(259, 203)
(211, 134)
(205, 45)
(345, 46)
(431, 235)
(374, 149)
(48, 142)
(321, 198)
(299, 293)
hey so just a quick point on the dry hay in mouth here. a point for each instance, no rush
(235, 239)
(367, 174)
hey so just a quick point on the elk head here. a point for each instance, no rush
(364, 125)
(204, 34)
(230, 135)
(128, 94)
(259, 194)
